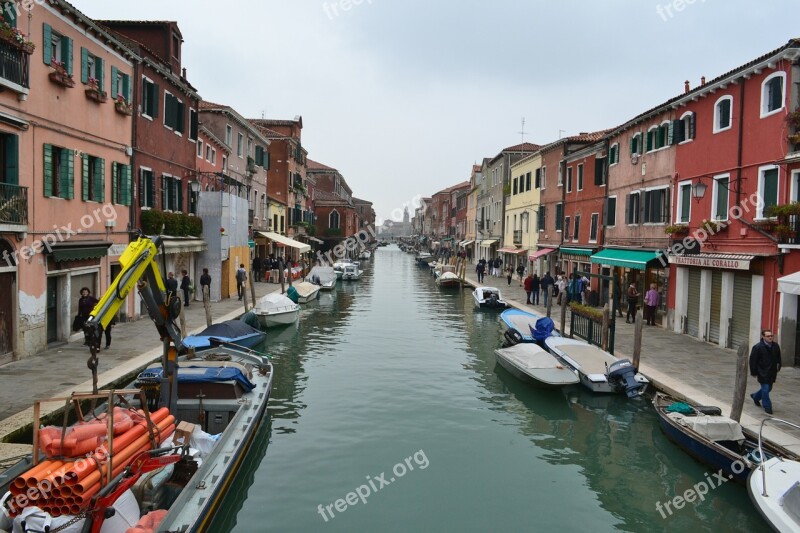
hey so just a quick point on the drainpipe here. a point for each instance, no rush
(134, 86)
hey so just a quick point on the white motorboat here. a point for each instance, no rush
(325, 277)
(488, 298)
(599, 370)
(338, 268)
(530, 362)
(774, 487)
(275, 309)
(366, 254)
(448, 279)
(306, 291)
(351, 272)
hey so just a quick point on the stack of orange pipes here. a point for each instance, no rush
(67, 487)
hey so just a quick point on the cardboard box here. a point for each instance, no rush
(183, 433)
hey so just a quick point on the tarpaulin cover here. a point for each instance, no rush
(544, 329)
(194, 374)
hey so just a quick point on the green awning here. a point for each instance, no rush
(251, 244)
(636, 259)
(576, 251)
(79, 252)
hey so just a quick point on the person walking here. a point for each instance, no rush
(561, 287)
(241, 279)
(547, 283)
(186, 284)
(205, 281)
(520, 273)
(171, 285)
(633, 299)
(86, 304)
(535, 286)
(480, 269)
(765, 363)
(651, 301)
(107, 331)
(618, 296)
(257, 268)
(509, 274)
(529, 288)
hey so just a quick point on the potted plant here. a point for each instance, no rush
(677, 229)
(713, 226)
(93, 92)
(784, 232)
(123, 106)
(586, 311)
(15, 37)
(793, 118)
(60, 75)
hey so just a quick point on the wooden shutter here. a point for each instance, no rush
(99, 70)
(164, 184)
(266, 160)
(114, 75)
(628, 208)
(85, 181)
(179, 187)
(99, 180)
(180, 116)
(125, 185)
(48, 170)
(47, 43)
(114, 182)
(151, 189)
(193, 126)
(154, 92)
(691, 131)
(84, 65)
(599, 170)
(142, 189)
(10, 14)
(11, 159)
(126, 87)
(66, 53)
(68, 162)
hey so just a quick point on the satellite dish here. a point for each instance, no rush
(634, 159)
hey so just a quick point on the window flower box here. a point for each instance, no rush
(93, 93)
(713, 226)
(60, 75)
(15, 38)
(677, 229)
(794, 138)
(123, 106)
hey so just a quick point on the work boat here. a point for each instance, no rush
(338, 268)
(188, 426)
(233, 331)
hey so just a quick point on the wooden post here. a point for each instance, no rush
(207, 304)
(281, 264)
(564, 317)
(604, 328)
(638, 326)
(549, 296)
(183, 321)
(740, 386)
(252, 288)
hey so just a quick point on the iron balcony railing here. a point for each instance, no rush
(13, 204)
(14, 64)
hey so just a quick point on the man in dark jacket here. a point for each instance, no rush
(765, 363)
(480, 269)
(171, 284)
(186, 284)
(547, 285)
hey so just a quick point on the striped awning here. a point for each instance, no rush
(539, 253)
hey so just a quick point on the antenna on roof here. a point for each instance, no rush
(560, 132)
(523, 132)
(263, 114)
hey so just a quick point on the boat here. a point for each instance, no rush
(351, 272)
(275, 309)
(230, 332)
(448, 279)
(338, 268)
(774, 486)
(713, 439)
(365, 254)
(488, 298)
(306, 291)
(526, 327)
(323, 276)
(424, 258)
(599, 370)
(532, 363)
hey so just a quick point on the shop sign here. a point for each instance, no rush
(710, 262)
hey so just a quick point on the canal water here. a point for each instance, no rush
(389, 413)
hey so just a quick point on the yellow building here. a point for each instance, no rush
(470, 236)
(522, 214)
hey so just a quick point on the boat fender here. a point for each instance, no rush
(6, 523)
(710, 410)
(513, 337)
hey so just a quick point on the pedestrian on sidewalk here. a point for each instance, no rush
(765, 363)
(560, 287)
(547, 283)
(535, 286)
(633, 299)
(241, 278)
(257, 268)
(529, 288)
(186, 284)
(86, 304)
(480, 269)
(171, 285)
(618, 296)
(520, 273)
(509, 274)
(651, 301)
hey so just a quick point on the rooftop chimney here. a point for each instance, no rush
(184, 72)
(584, 133)
(703, 80)
(686, 87)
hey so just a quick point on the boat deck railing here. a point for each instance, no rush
(762, 466)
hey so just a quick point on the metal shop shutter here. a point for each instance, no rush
(693, 309)
(716, 305)
(740, 321)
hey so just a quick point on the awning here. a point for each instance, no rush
(790, 284)
(636, 259)
(577, 251)
(175, 245)
(539, 253)
(511, 250)
(487, 243)
(75, 251)
(251, 244)
(301, 246)
(465, 243)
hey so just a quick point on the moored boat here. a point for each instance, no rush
(325, 277)
(526, 327)
(275, 309)
(233, 332)
(488, 298)
(351, 272)
(774, 487)
(448, 279)
(306, 291)
(530, 362)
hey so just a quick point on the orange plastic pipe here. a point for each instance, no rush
(50, 467)
(22, 481)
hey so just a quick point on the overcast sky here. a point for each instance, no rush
(403, 96)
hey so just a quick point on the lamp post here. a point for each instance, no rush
(699, 190)
(194, 187)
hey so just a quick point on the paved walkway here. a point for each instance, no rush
(683, 366)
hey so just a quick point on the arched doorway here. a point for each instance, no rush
(8, 288)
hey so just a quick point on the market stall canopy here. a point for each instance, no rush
(286, 241)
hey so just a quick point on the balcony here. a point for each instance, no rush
(14, 68)
(13, 206)
(518, 237)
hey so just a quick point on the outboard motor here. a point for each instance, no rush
(512, 337)
(622, 376)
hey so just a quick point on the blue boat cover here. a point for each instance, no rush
(209, 375)
(544, 328)
(229, 329)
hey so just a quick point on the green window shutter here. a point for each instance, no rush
(142, 190)
(770, 188)
(181, 116)
(48, 170)
(100, 71)
(67, 174)
(99, 180)
(114, 77)
(722, 199)
(84, 65)
(126, 185)
(151, 189)
(126, 87)
(66, 53)
(10, 14)
(47, 43)
(179, 186)
(258, 155)
(164, 205)
(633, 145)
(266, 160)
(12, 159)
(85, 182)
(114, 184)
(154, 92)
(685, 203)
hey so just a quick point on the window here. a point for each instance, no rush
(249, 147)
(767, 188)
(569, 179)
(566, 229)
(632, 208)
(656, 206)
(537, 180)
(541, 218)
(514, 188)
(333, 220)
(559, 216)
(93, 189)
(636, 144)
(56, 47)
(684, 206)
(120, 85)
(120, 183)
(613, 154)
(147, 188)
(9, 158)
(527, 181)
(719, 202)
(150, 96)
(208, 153)
(683, 128)
(600, 171)
(239, 144)
(214, 156)
(658, 137)
(593, 227)
(173, 113)
(59, 172)
(722, 114)
(544, 177)
(200, 149)
(773, 94)
(577, 227)
(580, 177)
(171, 193)
(224, 163)
(228, 135)
(91, 69)
(193, 125)
(611, 211)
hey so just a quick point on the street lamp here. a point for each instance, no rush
(699, 190)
